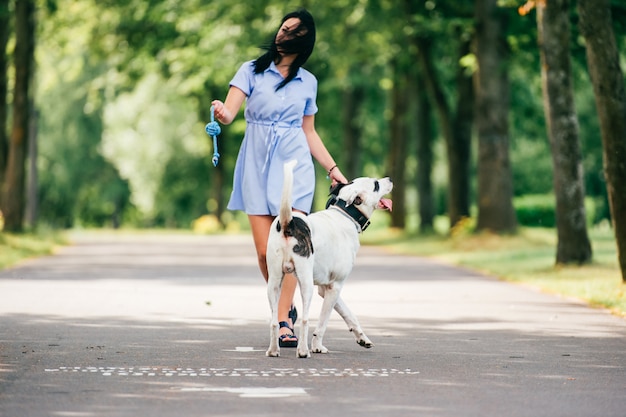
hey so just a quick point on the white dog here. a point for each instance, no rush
(320, 250)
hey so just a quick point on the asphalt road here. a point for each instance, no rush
(177, 325)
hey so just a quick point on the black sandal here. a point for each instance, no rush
(281, 339)
(293, 315)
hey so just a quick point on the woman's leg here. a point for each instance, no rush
(260, 226)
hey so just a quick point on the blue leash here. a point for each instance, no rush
(213, 129)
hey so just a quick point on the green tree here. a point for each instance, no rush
(99, 57)
(399, 140)
(77, 185)
(14, 192)
(608, 84)
(194, 50)
(425, 161)
(4, 38)
(455, 123)
(573, 244)
(495, 187)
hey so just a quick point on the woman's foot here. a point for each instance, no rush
(287, 337)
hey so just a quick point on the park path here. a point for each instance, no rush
(122, 324)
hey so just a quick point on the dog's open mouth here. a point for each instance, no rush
(385, 204)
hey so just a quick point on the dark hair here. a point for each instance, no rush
(300, 44)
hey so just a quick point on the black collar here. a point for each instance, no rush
(352, 212)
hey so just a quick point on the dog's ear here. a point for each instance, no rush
(334, 190)
(354, 198)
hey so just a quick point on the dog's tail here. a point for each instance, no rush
(284, 215)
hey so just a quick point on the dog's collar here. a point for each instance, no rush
(351, 211)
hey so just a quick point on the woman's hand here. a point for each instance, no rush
(226, 111)
(336, 176)
(220, 110)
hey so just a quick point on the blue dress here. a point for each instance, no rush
(273, 136)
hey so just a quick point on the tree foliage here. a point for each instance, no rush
(123, 89)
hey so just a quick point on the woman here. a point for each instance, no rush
(280, 114)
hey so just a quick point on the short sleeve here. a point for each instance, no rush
(310, 107)
(244, 78)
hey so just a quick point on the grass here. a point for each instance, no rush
(17, 247)
(527, 258)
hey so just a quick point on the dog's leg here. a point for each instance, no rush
(353, 323)
(273, 293)
(330, 293)
(305, 281)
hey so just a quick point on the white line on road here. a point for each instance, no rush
(253, 392)
(154, 371)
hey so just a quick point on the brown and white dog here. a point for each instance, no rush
(320, 249)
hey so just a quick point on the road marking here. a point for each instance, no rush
(253, 392)
(164, 371)
(243, 349)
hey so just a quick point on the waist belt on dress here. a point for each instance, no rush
(271, 140)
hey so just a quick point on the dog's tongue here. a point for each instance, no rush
(385, 203)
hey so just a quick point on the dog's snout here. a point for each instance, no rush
(388, 182)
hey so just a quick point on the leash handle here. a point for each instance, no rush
(213, 129)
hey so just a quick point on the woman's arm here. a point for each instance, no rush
(225, 112)
(319, 151)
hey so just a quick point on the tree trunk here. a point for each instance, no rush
(460, 154)
(495, 180)
(608, 85)
(352, 99)
(4, 38)
(455, 128)
(398, 146)
(562, 124)
(424, 162)
(14, 187)
(32, 187)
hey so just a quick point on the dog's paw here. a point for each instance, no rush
(316, 345)
(365, 342)
(303, 354)
(319, 349)
(272, 353)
